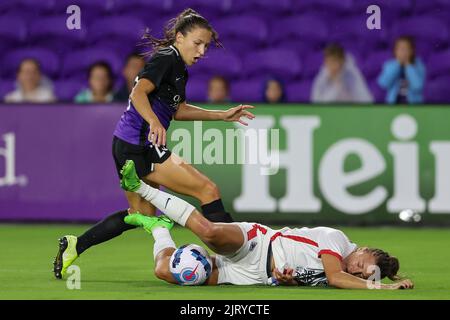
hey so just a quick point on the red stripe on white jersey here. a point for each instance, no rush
(253, 231)
(330, 252)
(295, 238)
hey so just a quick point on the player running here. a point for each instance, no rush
(158, 97)
(250, 253)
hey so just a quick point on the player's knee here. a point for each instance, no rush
(210, 191)
(209, 232)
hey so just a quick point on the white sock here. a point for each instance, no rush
(163, 240)
(174, 207)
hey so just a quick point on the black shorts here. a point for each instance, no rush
(144, 157)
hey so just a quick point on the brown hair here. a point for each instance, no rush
(410, 40)
(388, 265)
(105, 66)
(184, 22)
(33, 60)
(335, 51)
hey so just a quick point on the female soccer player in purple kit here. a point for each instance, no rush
(158, 97)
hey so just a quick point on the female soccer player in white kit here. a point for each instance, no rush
(250, 253)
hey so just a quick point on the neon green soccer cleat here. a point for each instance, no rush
(67, 254)
(130, 180)
(149, 223)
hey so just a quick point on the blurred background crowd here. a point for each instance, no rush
(284, 51)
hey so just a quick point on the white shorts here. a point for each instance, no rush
(249, 264)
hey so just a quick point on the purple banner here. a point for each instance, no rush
(56, 162)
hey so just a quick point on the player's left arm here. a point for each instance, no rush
(188, 112)
(162, 266)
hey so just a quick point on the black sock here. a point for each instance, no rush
(215, 212)
(110, 227)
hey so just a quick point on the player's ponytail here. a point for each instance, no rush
(388, 265)
(184, 22)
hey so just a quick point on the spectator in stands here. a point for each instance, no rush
(273, 91)
(32, 86)
(100, 85)
(134, 64)
(404, 76)
(339, 79)
(218, 90)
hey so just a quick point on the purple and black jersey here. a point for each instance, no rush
(167, 71)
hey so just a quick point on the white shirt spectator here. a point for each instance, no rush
(40, 94)
(349, 87)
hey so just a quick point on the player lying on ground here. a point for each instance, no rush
(250, 253)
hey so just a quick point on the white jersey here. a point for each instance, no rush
(299, 249)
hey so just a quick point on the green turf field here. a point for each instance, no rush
(122, 268)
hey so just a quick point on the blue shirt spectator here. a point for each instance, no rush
(404, 76)
(100, 85)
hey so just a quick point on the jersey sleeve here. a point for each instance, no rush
(335, 243)
(156, 69)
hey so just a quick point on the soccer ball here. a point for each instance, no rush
(190, 265)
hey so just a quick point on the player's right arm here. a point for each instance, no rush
(338, 278)
(138, 96)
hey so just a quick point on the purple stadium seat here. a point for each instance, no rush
(12, 29)
(121, 26)
(220, 61)
(311, 64)
(332, 5)
(85, 5)
(279, 62)
(431, 6)
(236, 46)
(373, 64)
(6, 86)
(438, 90)
(251, 6)
(207, 8)
(301, 47)
(155, 6)
(250, 29)
(42, 6)
(438, 64)
(66, 90)
(197, 90)
(54, 29)
(397, 6)
(120, 34)
(90, 10)
(49, 61)
(378, 93)
(7, 5)
(119, 45)
(299, 91)
(250, 90)
(79, 61)
(353, 29)
(300, 28)
(422, 28)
